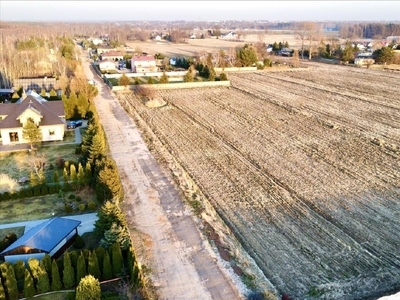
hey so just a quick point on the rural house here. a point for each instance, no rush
(112, 55)
(143, 64)
(105, 49)
(51, 237)
(107, 65)
(364, 58)
(49, 116)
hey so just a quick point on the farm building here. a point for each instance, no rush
(144, 64)
(51, 237)
(48, 115)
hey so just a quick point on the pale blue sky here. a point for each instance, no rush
(11, 10)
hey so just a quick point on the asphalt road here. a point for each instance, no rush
(183, 266)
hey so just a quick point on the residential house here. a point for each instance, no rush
(97, 41)
(52, 237)
(49, 116)
(112, 55)
(229, 36)
(107, 65)
(143, 64)
(105, 49)
(364, 58)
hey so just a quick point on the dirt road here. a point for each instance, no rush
(182, 264)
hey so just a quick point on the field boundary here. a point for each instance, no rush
(183, 85)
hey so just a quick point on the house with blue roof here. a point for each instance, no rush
(51, 237)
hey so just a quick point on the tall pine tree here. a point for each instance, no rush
(68, 272)
(56, 284)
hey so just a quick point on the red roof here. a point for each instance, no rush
(143, 58)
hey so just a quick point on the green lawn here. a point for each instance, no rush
(43, 207)
(17, 164)
(19, 231)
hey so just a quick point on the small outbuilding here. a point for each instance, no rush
(51, 237)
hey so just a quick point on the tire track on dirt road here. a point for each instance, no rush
(182, 263)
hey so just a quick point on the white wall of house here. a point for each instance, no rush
(53, 132)
(49, 133)
(107, 66)
(29, 113)
(5, 135)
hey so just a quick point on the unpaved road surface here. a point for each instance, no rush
(182, 264)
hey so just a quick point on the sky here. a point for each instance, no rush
(66, 11)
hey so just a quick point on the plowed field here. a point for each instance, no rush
(304, 167)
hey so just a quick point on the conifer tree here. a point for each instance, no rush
(56, 177)
(29, 286)
(56, 284)
(188, 77)
(108, 183)
(88, 173)
(33, 265)
(43, 93)
(68, 272)
(65, 175)
(93, 265)
(19, 271)
(53, 95)
(2, 292)
(72, 174)
(124, 80)
(164, 78)
(107, 269)
(32, 133)
(81, 176)
(88, 289)
(81, 268)
(100, 251)
(117, 260)
(108, 214)
(73, 255)
(82, 105)
(43, 282)
(98, 148)
(46, 261)
(10, 282)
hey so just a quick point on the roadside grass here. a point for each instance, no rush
(43, 207)
(17, 164)
(19, 231)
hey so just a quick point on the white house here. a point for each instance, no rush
(97, 41)
(143, 64)
(106, 65)
(49, 116)
(112, 55)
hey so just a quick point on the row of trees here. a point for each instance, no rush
(53, 275)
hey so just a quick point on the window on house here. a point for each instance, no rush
(14, 137)
(52, 132)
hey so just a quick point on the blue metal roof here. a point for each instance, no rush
(45, 236)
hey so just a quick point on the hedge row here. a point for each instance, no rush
(39, 277)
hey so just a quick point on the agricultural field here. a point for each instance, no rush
(304, 167)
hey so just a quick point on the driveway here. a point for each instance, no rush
(182, 263)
